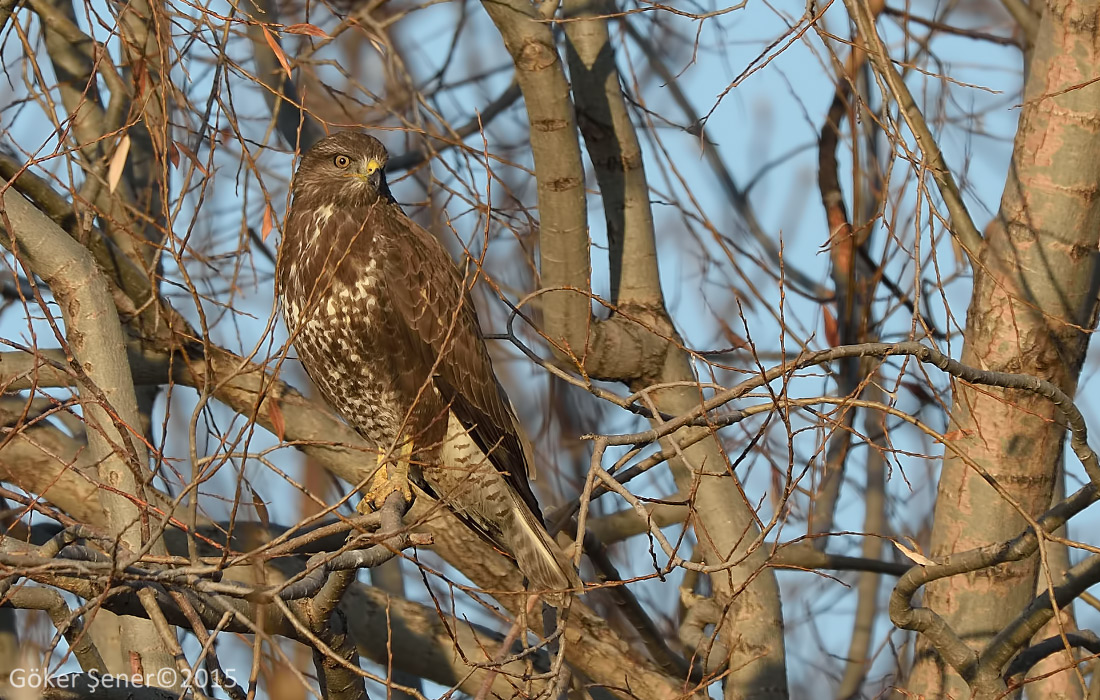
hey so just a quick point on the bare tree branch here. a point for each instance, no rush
(94, 337)
(962, 225)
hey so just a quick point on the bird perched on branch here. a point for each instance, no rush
(383, 323)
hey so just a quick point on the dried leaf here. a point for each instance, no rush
(957, 435)
(265, 230)
(915, 556)
(136, 668)
(960, 255)
(140, 78)
(832, 331)
(118, 163)
(304, 28)
(173, 155)
(275, 48)
(261, 509)
(278, 423)
(193, 158)
(735, 340)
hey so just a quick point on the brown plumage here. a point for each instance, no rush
(383, 323)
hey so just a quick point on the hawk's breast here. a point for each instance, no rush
(335, 307)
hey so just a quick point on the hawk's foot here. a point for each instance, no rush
(390, 476)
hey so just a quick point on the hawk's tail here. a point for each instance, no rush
(548, 571)
(468, 482)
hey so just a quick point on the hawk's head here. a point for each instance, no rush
(347, 168)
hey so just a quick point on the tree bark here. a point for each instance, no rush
(1034, 299)
(95, 340)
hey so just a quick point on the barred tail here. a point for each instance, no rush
(546, 567)
(467, 481)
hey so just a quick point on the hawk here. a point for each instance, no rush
(383, 323)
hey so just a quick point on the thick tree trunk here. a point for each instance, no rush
(1035, 289)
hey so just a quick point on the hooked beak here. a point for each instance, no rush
(375, 179)
(371, 171)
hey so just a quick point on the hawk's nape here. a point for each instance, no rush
(384, 325)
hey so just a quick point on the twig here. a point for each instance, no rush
(962, 224)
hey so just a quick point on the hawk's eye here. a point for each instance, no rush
(341, 162)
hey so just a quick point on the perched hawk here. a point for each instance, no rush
(383, 323)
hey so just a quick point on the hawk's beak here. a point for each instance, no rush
(371, 171)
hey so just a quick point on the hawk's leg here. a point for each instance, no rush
(391, 475)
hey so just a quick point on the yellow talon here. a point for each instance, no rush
(390, 475)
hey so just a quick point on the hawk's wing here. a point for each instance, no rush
(430, 299)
